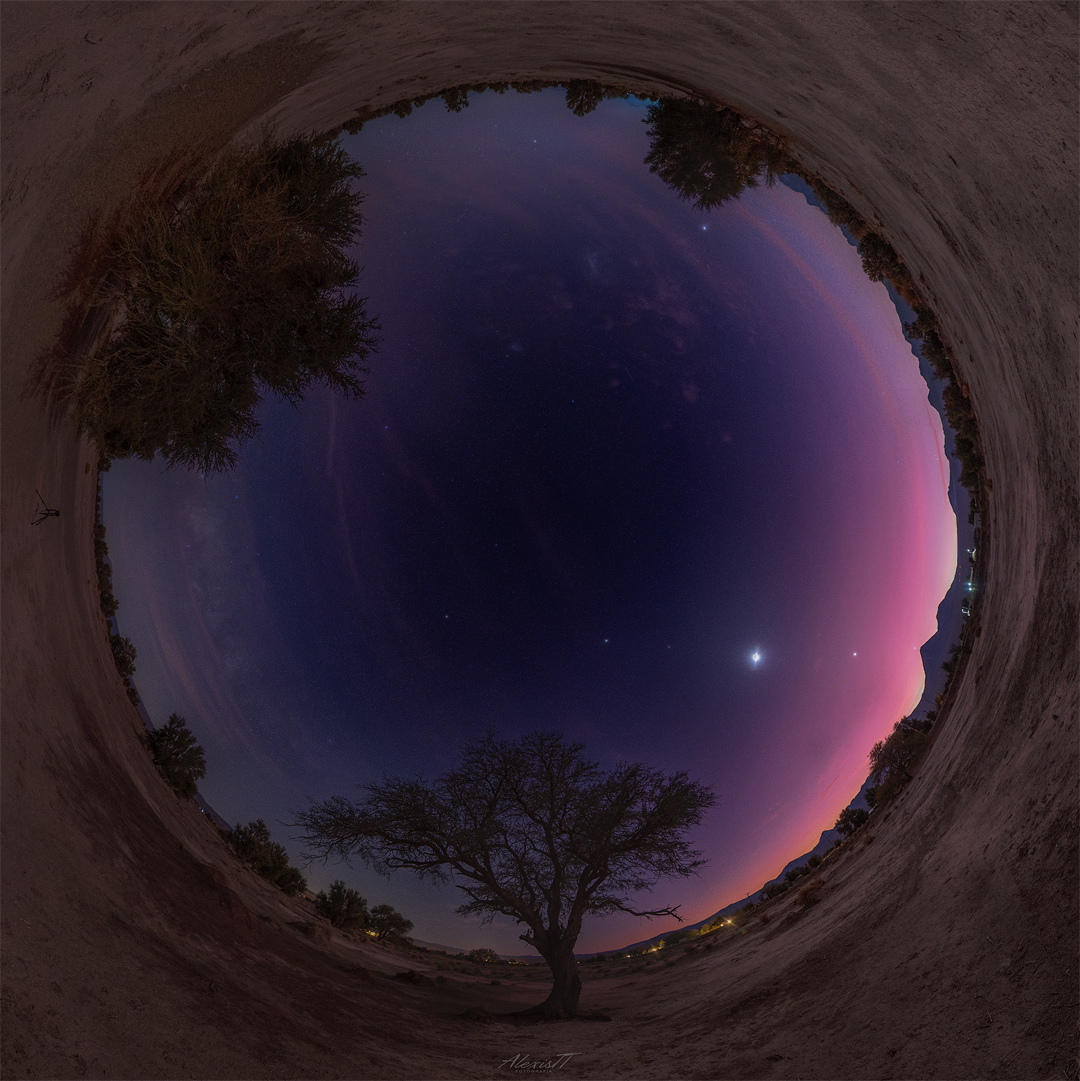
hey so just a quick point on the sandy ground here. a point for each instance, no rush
(134, 947)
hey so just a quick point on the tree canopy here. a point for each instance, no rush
(342, 906)
(900, 750)
(267, 858)
(177, 755)
(237, 287)
(850, 819)
(708, 155)
(527, 829)
(387, 922)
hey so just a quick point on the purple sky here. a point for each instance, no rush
(611, 447)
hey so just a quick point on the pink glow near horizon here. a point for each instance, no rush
(916, 576)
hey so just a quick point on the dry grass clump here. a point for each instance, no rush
(810, 894)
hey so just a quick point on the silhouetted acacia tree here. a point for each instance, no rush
(530, 830)
(238, 287)
(178, 757)
(708, 154)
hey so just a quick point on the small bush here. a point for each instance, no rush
(343, 907)
(900, 751)
(850, 819)
(890, 788)
(774, 889)
(267, 858)
(810, 894)
(123, 651)
(483, 955)
(179, 759)
(387, 922)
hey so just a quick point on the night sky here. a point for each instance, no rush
(612, 448)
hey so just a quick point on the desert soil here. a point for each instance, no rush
(133, 944)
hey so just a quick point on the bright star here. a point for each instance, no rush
(755, 657)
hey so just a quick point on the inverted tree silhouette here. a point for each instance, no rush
(527, 829)
(238, 287)
(709, 155)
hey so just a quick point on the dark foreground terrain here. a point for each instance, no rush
(133, 946)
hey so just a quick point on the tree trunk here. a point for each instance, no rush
(565, 988)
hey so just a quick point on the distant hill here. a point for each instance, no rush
(826, 841)
(436, 946)
(530, 958)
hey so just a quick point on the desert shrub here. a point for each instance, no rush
(932, 347)
(387, 922)
(850, 819)
(774, 889)
(949, 666)
(810, 894)
(889, 789)
(267, 858)
(124, 654)
(897, 754)
(179, 759)
(813, 861)
(343, 907)
(583, 96)
(239, 288)
(839, 210)
(967, 443)
(709, 155)
(291, 881)
(108, 601)
(880, 262)
(123, 650)
(483, 954)
(455, 99)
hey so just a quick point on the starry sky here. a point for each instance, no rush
(612, 450)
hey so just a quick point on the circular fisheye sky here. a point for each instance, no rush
(665, 480)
